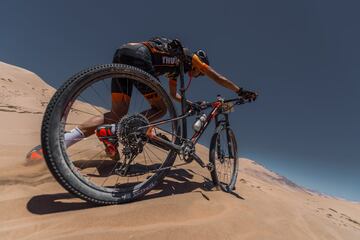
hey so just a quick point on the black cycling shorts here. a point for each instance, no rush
(136, 55)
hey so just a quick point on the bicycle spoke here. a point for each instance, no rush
(148, 156)
(109, 90)
(224, 164)
(141, 104)
(106, 178)
(91, 106)
(155, 155)
(83, 151)
(90, 160)
(82, 111)
(159, 148)
(144, 156)
(74, 124)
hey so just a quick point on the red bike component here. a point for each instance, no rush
(106, 136)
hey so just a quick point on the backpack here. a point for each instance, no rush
(165, 45)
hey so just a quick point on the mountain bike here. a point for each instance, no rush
(147, 149)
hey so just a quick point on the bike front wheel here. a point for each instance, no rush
(223, 157)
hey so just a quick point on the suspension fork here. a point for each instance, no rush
(217, 124)
(226, 124)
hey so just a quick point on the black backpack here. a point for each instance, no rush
(166, 45)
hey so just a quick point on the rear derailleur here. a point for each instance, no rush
(132, 135)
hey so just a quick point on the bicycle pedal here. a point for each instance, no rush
(188, 159)
(121, 171)
(210, 167)
(209, 185)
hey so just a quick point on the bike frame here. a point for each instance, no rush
(195, 137)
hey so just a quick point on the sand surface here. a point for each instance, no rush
(264, 205)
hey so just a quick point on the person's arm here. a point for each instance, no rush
(221, 80)
(172, 89)
(211, 73)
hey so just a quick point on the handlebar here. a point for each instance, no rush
(201, 106)
(238, 101)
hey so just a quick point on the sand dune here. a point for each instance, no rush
(265, 205)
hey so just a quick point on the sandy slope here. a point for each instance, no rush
(23, 96)
(265, 206)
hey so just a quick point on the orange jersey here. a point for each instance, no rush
(198, 64)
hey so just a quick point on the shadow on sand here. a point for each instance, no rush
(178, 181)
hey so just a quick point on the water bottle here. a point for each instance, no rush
(199, 123)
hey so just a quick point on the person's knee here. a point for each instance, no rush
(160, 111)
(111, 117)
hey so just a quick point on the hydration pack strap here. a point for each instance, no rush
(190, 78)
(153, 49)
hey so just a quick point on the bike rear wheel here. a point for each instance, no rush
(223, 157)
(84, 169)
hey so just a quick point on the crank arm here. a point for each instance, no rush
(198, 160)
(160, 142)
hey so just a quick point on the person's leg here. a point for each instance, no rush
(120, 101)
(121, 90)
(157, 106)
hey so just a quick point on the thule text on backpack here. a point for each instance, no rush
(169, 60)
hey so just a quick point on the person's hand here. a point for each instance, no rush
(247, 95)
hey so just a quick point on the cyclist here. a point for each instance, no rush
(155, 56)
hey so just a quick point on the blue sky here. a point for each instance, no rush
(301, 56)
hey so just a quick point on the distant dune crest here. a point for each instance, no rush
(22, 91)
